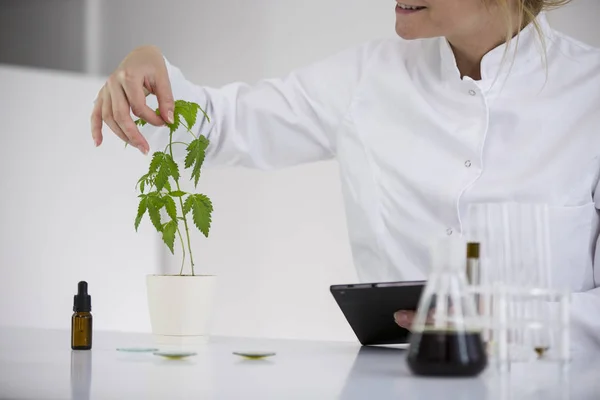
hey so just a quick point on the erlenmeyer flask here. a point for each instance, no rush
(446, 338)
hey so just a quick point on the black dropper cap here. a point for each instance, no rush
(82, 301)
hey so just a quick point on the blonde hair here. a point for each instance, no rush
(527, 12)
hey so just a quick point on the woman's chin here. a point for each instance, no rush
(407, 35)
(410, 34)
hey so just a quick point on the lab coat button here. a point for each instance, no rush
(449, 232)
(468, 163)
(472, 92)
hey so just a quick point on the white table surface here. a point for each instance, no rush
(39, 364)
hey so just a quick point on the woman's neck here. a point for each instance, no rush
(468, 57)
(470, 49)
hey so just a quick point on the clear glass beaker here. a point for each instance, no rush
(531, 324)
(523, 315)
(515, 242)
(446, 339)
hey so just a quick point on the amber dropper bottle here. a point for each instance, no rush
(81, 321)
(474, 270)
(473, 265)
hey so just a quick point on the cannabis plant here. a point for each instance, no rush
(160, 188)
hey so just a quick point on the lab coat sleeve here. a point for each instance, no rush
(585, 320)
(585, 314)
(273, 123)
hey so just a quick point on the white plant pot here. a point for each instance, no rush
(180, 308)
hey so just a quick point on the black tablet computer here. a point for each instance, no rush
(369, 309)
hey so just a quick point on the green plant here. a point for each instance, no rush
(160, 188)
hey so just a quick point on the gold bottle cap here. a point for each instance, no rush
(473, 250)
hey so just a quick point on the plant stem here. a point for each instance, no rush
(189, 130)
(183, 249)
(170, 147)
(171, 144)
(187, 231)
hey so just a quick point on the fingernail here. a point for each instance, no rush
(401, 317)
(170, 117)
(142, 149)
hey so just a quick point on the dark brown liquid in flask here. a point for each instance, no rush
(81, 321)
(447, 353)
(446, 339)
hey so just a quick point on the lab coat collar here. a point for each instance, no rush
(524, 50)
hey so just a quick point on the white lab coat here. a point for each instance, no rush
(416, 144)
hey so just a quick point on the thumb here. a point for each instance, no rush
(164, 95)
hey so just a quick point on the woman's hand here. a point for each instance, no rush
(142, 72)
(405, 318)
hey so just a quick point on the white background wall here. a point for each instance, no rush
(579, 19)
(278, 239)
(66, 208)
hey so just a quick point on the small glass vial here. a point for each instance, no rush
(474, 277)
(81, 321)
(473, 264)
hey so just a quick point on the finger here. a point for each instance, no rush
(164, 94)
(122, 116)
(108, 117)
(403, 318)
(96, 120)
(135, 93)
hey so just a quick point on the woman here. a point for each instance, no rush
(464, 106)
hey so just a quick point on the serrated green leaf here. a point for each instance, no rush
(170, 207)
(177, 193)
(173, 167)
(154, 214)
(161, 179)
(140, 122)
(188, 110)
(142, 183)
(157, 160)
(201, 212)
(187, 205)
(196, 174)
(196, 153)
(153, 196)
(142, 207)
(160, 202)
(168, 186)
(168, 235)
(155, 203)
(192, 149)
(150, 180)
(141, 180)
(167, 167)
